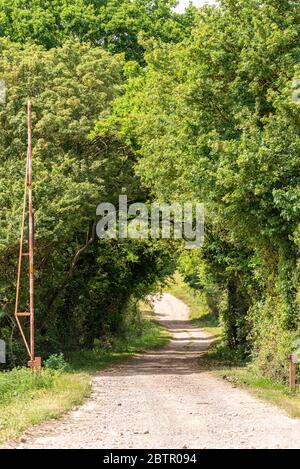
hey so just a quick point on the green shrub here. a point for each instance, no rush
(272, 341)
(56, 361)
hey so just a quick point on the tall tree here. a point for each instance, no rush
(113, 24)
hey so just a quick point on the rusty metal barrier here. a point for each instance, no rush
(34, 362)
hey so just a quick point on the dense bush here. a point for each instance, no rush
(56, 361)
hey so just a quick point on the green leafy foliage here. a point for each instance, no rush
(203, 111)
(56, 361)
(113, 24)
(82, 284)
(212, 120)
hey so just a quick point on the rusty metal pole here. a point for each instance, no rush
(31, 272)
(35, 362)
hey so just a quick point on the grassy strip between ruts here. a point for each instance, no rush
(228, 365)
(26, 400)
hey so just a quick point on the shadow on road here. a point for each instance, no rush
(178, 357)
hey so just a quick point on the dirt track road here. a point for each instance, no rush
(162, 400)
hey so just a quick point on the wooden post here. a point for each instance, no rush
(293, 359)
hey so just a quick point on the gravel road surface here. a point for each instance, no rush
(162, 400)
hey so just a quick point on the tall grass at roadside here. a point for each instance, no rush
(152, 335)
(19, 382)
(26, 399)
